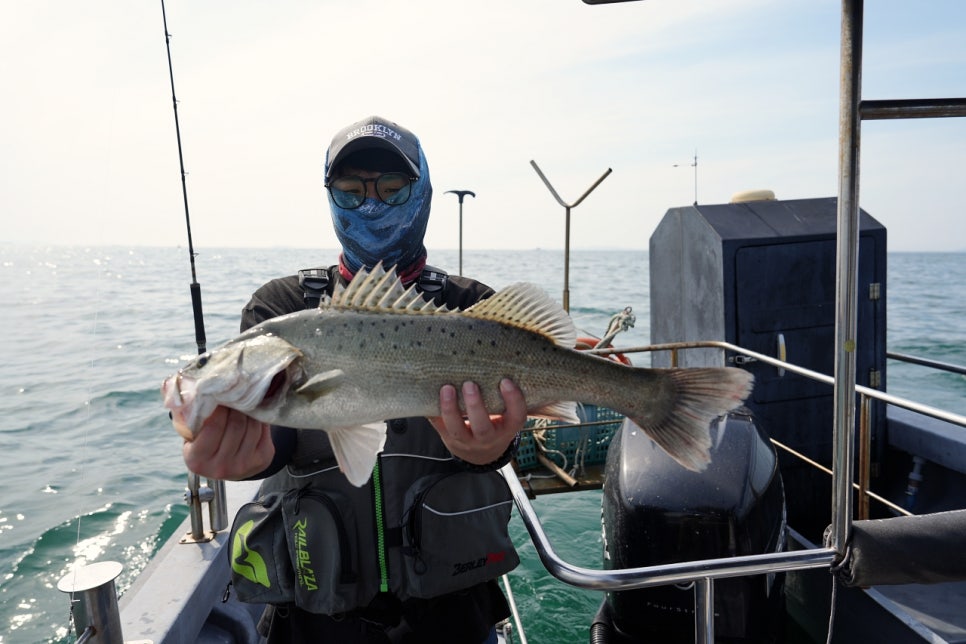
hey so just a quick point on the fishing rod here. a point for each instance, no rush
(196, 496)
(195, 287)
(94, 583)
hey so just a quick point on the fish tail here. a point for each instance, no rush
(695, 398)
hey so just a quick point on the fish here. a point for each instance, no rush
(377, 350)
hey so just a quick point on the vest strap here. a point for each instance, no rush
(316, 282)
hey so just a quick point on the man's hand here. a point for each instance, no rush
(230, 446)
(480, 438)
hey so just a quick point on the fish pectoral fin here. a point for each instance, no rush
(356, 448)
(562, 411)
(321, 384)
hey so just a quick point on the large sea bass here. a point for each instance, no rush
(377, 351)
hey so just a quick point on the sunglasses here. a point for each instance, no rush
(393, 188)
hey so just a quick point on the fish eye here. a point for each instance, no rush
(202, 360)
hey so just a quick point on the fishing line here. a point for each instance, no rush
(195, 287)
(72, 601)
(89, 398)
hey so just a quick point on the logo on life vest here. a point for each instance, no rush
(245, 561)
(303, 562)
(466, 566)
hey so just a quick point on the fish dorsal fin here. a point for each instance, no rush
(527, 306)
(381, 290)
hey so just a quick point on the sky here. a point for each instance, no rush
(748, 87)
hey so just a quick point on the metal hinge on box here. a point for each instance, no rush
(875, 379)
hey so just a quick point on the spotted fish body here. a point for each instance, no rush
(378, 351)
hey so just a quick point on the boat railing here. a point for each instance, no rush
(702, 573)
(926, 362)
(865, 397)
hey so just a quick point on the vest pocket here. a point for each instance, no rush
(455, 532)
(323, 547)
(261, 570)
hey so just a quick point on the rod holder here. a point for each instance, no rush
(567, 208)
(94, 602)
(195, 496)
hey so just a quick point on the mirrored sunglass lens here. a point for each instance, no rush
(352, 185)
(348, 200)
(393, 188)
(348, 192)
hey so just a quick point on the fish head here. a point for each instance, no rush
(245, 374)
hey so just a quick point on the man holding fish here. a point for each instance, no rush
(379, 193)
(394, 517)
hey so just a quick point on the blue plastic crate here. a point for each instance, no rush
(567, 440)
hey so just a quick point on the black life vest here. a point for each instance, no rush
(426, 525)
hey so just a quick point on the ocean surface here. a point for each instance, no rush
(92, 470)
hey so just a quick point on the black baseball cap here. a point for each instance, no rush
(374, 132)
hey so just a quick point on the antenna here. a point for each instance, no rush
(695, 166)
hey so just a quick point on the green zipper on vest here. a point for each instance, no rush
(380, 530)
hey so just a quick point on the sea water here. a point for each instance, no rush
(92, 470)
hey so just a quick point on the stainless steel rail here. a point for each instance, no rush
(846, 272)
(648, 576)
(675, 347)
(861, 482)
(852, 111)
(703, 572)
(633, 578)
(926, 362)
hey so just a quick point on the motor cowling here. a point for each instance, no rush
(656, 512)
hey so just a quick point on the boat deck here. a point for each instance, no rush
(541, 481)
(940, 607)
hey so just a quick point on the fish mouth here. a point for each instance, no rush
(277, 389)
(179, 402)
(263, 384)
(171, 391)
(256, 376)
(279, 384)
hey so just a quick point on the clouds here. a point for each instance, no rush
(635, 86)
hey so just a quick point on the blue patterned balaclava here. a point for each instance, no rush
(375, 231)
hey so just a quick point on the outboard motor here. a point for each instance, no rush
(656, 512)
